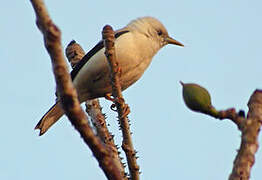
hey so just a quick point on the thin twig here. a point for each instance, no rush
(74, 54)
(233, 116)
(68, 95)
(122, 108)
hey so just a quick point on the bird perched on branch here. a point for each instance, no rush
(135, 46)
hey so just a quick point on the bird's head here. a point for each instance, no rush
(153, 29)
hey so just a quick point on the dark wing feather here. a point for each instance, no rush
(92, 52)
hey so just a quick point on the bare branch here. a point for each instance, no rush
(249, 140)
(68, 95)
(232, 115)
(249, 128)
(74, 54)
(122, 108)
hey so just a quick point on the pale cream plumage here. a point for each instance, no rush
(135, 45)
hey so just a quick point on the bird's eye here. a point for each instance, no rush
(159, 32)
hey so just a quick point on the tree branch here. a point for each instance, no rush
(74, 54)
(68, 95)
(198, 99)
(122, 108)
(249, 139)
(231, 114)
(249, 127)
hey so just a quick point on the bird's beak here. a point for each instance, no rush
(170, 40)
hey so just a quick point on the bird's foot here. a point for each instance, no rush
(126, 111)
(125, 107)
(113, 107)
(108, 97)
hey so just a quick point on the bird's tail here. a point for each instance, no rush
(50, 117)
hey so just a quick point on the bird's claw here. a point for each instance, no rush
(113, 107)
(126, 111)
(108, 97)
(125, 107)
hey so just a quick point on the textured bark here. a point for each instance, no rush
(122, 108)
(74, 54)
(250, 128)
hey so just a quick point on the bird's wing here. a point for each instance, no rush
(92, 52)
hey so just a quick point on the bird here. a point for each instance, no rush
(135, 46)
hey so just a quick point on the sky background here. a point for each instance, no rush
(222, 53)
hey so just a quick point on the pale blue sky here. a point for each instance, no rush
(222, 53)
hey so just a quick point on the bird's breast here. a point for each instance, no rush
(133, 60)
(93, 80)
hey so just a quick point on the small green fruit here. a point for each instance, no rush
(198, 99)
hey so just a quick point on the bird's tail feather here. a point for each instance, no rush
(50, 117)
